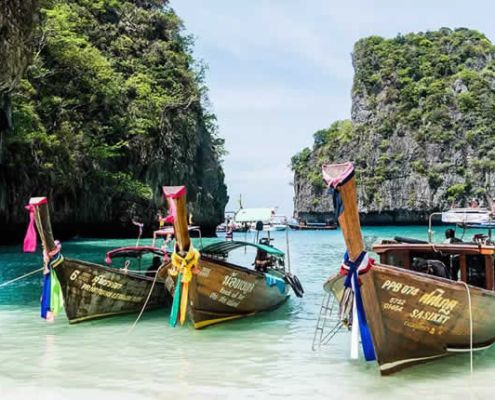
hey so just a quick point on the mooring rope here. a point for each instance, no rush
(20, 277)
(470, 326)
(145, 303)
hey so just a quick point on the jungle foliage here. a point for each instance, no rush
(436, 90)
(113, 89)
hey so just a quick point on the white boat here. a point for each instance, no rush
(252, 216)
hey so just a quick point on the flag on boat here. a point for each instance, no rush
(140, 225)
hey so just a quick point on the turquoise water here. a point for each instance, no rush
(264, 356)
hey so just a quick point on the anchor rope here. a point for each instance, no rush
(20, 277)
(145, 303)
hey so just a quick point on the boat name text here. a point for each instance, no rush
(397, 287)
(236, 283)
(111, 295)
(435, 299)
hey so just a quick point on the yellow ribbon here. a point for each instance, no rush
(185, 266)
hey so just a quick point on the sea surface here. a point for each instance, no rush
(265, 356)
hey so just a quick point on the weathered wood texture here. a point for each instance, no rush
(222, 292)
(92, 291)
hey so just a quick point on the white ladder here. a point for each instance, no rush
(327, 313)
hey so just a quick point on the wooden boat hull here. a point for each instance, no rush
(223, 292)
(414, 318)
(92, 291)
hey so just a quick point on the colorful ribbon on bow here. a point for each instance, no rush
(51, 296)
(183, 268)
(30, 238)
(140, 225)
(361, 264)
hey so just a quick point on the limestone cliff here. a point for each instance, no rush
(422, 129)
(112, 107)
(18, 21)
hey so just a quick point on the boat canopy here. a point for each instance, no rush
(467, 216)
(227, 246)
(133, 252)
(169, 230)
(254, 214)
(490, 225)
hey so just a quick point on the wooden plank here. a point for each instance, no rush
(349, 220)
(42, 219)
(407, 260)
(462, 267)
(489, 272)
(429, 248)
(177, 194)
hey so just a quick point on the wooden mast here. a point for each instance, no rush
(341, 178)
(43, 224)
(177, 196)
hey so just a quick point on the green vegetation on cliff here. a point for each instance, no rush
(423, 116)
(113, 107)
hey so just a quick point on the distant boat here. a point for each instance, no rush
(250, 218)
(92, 291)
(313, 226)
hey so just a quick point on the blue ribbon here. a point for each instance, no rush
(368, 350)
(46, 295)
(338, 205)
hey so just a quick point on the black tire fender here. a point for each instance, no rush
(295, 287)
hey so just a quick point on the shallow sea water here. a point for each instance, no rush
(268, 355)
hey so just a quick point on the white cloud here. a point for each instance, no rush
(281, 69)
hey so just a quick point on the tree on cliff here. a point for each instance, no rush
(113, 107)
(423, 124)
(18, 21)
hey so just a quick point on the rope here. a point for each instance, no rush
(145, 303)
(20, 277)
(470, 327)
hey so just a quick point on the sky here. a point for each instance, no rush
(279, 70)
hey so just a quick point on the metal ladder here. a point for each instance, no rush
(327, 313)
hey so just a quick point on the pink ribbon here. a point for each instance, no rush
(172, 212)
(30, 239)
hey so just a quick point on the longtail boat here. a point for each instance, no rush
(90, 290)
(410, 314)
(312, 227)
(209, 289)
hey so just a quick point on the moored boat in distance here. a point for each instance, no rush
(313, 226)
(92, 291)
(216, 290)
(413, 308)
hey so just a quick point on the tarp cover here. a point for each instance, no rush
(228, 246)
(133, 252)
(254, 214)
(467, 216)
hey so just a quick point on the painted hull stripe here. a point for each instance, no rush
(110, 314)
(202, 324)
(394, 364)
(454, 350)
